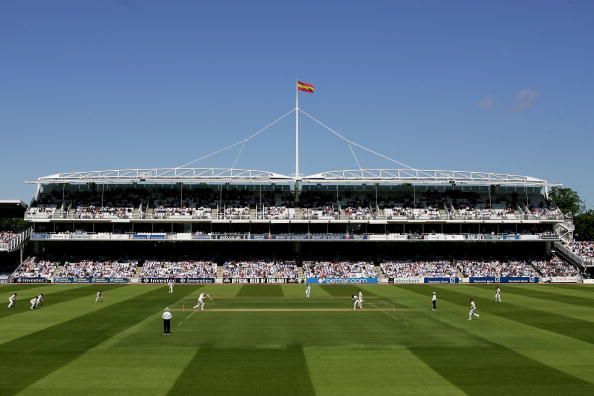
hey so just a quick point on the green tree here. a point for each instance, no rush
(584, 226)
(567, 200)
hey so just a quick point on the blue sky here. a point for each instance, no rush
(502, 86)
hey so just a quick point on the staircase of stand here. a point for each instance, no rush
(219, 278)
(378, 271)
(565, 229)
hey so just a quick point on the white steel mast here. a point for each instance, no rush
(296, 131)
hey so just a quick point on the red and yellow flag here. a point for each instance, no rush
(305, 87)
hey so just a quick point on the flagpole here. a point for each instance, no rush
(296, 131)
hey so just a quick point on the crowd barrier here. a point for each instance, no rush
(280, 237)
(260, 280)
(177, 280)
(406, 281)
(441, 279)
(89, 279)
(31, 280)
(340, 281)
(503, 279)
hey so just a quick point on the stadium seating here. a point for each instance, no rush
(32, 267)
(477, 268)
(179, 269)
(339, 269)
(259, 269)
(98, 269)
(583, 249)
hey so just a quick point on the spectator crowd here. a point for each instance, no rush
(7, 236)
(179, 269)
(339, 269)
(260, 269)
(584, 250)
(97, 269)
(478, 268)
(32, 267)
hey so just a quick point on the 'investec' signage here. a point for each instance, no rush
(341, 281)
(31, 280)
(178, 280)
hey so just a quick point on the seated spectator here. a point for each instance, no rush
(34, 268)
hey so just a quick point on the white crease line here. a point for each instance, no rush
(187, 317)
(389, 314)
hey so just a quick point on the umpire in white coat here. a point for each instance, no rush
(166, 322)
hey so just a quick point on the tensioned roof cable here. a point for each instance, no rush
(242, 141)
(351, 142)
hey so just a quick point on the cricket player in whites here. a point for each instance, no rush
(170, 284)
(472, 310)
(498, 295)
(40, 301)
(355, 299)
(360, 297)
(12, 301)
(307, 290)
(33, 302)
(200, 304)
(99, 297)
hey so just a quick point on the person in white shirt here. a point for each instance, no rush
(472, 310)
(434, 301)
(12, 301)
(40, 301)
(166, 316)
(170, 284)
(360, 298)
(498, 295)
(99, 297)
(33, 302)
(307, 291)
(355, 299)
(200, 304)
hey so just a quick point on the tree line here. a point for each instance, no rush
(570, 203)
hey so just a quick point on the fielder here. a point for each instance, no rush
(360, 300)
(33, 302)
(307, 291)
(200, 304)
(498, 295)
(355, 299)
(99, 297)
(40, 301)
(472, 310)
(170, 284)
(12, 301)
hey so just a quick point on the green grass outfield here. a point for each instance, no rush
(270, 340)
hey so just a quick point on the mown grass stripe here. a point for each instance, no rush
(497, 370)
(260, 291)
(7, 289)
(345, 290)
(53, 298)
(553, 322)
(487, 367)
(246, 371)
(586, 291)
(550, 295)
(36, 355)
